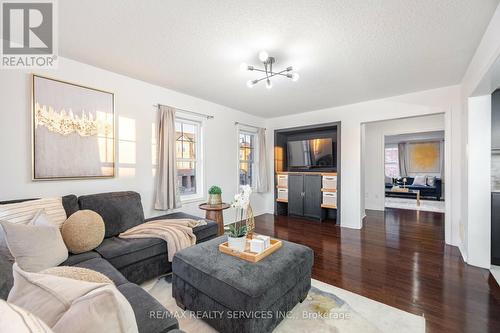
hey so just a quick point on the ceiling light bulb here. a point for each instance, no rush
(263, 56)
(295, 77)
(289, 69)
(269, 84)
(250, 83)
(243, 67)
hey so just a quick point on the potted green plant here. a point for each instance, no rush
(214, 195)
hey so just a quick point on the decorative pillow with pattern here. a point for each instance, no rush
(24, 212)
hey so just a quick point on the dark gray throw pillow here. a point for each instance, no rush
(6, 277)
(4, 249)
(431, 181)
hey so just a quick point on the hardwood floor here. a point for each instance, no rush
(399, 258)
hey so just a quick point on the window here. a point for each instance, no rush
(247, 158)
(188, 158)
(391, 162)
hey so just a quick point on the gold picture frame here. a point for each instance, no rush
(73, 131)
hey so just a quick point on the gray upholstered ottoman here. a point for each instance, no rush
(234, 295)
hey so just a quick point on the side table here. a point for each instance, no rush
(214, 213)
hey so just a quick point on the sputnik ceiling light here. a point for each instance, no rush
(268, 70)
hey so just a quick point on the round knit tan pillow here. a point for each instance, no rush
(77, 273)
(83, 231)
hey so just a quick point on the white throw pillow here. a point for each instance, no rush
(16, 319)
(35, 247)
(420, 180)
(41, 219)
(23, 212)
(68, 305)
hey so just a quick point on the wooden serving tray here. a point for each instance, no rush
(250, 256)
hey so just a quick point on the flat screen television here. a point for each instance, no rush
(312, 153)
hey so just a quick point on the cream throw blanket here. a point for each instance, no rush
(178, 233)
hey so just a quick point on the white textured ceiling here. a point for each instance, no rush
(347, 51)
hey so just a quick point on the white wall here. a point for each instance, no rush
(363, 171)
(375, 133)
(412, 137)
(133, 100)
(479, 180)
(443, 100)
(478, 77)
(481, 79)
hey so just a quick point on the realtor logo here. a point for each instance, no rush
(28, 34)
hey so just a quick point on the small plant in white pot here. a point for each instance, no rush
(237, 231)
(236, 236)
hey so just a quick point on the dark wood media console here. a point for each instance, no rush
(313, 192)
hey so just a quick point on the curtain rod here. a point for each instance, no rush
(207, 116)
(248, 125)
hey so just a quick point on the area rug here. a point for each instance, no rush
(425, 205)
(326, 309)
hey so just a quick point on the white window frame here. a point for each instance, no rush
(391, 163)
(252, 131)
(200, 165)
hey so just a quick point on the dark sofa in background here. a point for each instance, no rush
(127, 262)
(426, 191)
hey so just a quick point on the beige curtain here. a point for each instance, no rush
(166, 192)
(403, 170)
(441, 152)
(262, 174)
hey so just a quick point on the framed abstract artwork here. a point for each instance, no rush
(73, 131)
(425, 157)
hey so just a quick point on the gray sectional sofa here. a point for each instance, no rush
(127, 262)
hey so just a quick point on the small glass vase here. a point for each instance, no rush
(250, 222)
